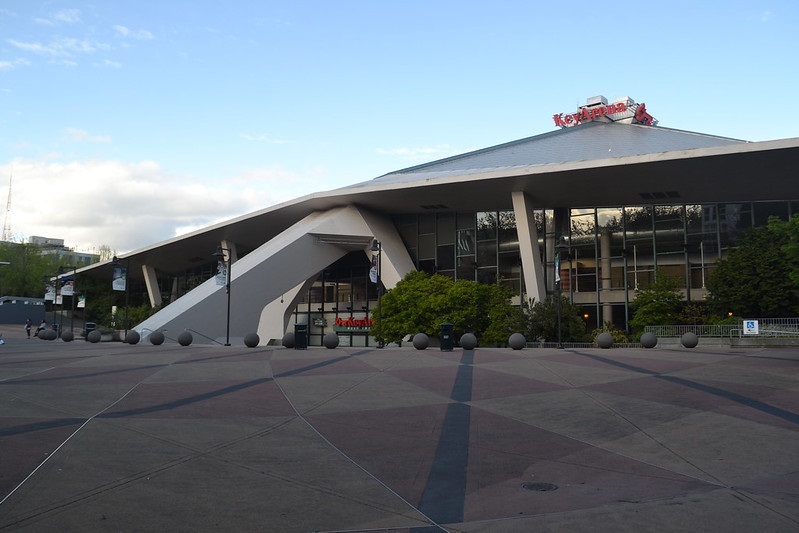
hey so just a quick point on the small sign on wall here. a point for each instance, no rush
(751, 327)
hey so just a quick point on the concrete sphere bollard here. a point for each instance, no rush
(157, 338)
(132, 337)
(648, 340)
(330, 340)
(67, 336)
(604, 340)
(468, 341)
(517, 341)
(251, 340)
(421, 341)
(185, 338)
(689, 339)
(49, 335)
(288, 340)
(94, 336)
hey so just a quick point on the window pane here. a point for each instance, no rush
(427, 246)
(640, 246)
(764, 210)
(446, 229)
(427, 224)
(446, 257)
(486, 226)
(466, 268)
(486, 253)
(466, 242)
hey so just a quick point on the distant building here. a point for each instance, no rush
(50, 246)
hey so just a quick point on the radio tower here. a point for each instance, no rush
(6, 224)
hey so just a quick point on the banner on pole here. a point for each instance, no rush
(120, 279)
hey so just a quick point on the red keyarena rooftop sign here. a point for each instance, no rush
(586, 114)
(590, 113)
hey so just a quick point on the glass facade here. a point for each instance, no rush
(612, 252)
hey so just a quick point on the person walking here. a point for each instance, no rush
(28, 326)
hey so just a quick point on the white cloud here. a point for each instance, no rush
(10, 65)
(110, 64)
(63, 47)
(67, 16)
(64, 16)
(83, 136)
(261, 138)
(142, 35)
(127, 206)
(418, 153)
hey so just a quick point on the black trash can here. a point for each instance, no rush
(88, 328)
(300, 336)
(447, 337)
(56, 328)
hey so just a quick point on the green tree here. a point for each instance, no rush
(26, 271)
(543, 320)
(660, 303)
(760, 277)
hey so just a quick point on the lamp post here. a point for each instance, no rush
(377, 247)
(48, 284)
(74, 291)
(61, 271)
(117, 264)
(223, 254)
(559, 248)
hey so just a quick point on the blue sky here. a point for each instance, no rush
(126, 123)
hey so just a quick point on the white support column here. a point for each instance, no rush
(528, 247)
(605, 275)
(275, 317)
(151, 281)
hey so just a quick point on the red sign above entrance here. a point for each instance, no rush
(353, 324)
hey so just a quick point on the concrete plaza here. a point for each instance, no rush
(118, 437)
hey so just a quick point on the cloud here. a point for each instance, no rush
(10, 65)
(63, 47)
(67, 16)
(142, 35)
(127, 206)
(261, 138)
(63, 16)
(83, 136)
(418, 153)
(110, 64)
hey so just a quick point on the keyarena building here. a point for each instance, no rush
(623, 197)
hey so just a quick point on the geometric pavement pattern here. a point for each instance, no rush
(117, 437)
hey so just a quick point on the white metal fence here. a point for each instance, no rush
(767, 327)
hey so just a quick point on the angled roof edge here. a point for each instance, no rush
(722, 141)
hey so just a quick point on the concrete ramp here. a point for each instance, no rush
(277, 267)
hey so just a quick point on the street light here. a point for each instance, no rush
(61, 271)
(559, 248)
(124, 278)
(74, 291)
(377, 247)
(223, 254)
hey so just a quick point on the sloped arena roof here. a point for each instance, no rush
(593, 164)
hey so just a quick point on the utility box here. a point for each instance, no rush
(300, 336)
(447, 339)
